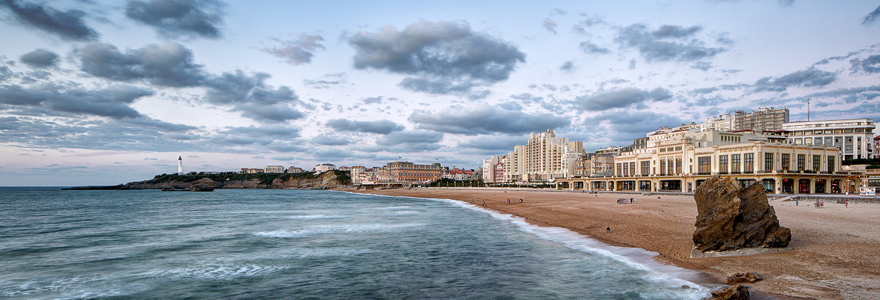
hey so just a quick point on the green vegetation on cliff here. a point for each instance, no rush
(264, 178)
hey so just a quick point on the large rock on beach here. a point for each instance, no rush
(737, 292)
(730, 218)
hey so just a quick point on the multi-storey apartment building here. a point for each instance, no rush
(489, 168)
(274, 169)
(324, 168)
(543, 158)
(854, 137)
(763, 119)
(681, 160)
(356, 173)
(401, 171)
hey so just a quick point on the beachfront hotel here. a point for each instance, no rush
(543, 158)
(854, 137)
(680, 160)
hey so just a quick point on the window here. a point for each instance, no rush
(669, 167)
(662, 167)
(734, 163)
(646, 168)
(722, 164)
(801, 162)
(786, 162)
(749, 162)
(831, 164)
(632, 169)
(704, 164)
(816, 160)
(768, 162)
(678, 166)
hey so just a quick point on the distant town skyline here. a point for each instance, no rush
(105, 92)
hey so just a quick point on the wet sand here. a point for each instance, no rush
(834, 252)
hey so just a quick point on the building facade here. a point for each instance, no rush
(543, 158)
(489, 170)
(324, 168)
(763, 119)
(400, 171)
(854, 137)
(681, 161)
(274, 169)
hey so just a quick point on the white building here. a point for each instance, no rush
(324, 168)
(274, 169)
(489, 167)
(543, 158)
(854, 137)
(724, 122)
(356, 174)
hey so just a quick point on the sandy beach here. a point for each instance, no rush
(834, 251)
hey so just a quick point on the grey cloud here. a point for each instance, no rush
(167, 64)
(590, 48)
(550, 25)
(108, 103)
(442, 57)
(705, 90)
(274, 131)
(412, 140)
(498, 143)
(702, 65)
(619, 98)
(115, 134)
(327, 140)
(675, 31)
(871, 17)
(661, 44)
(253, 97)
(331, 154)
(806, 78)
(274, 113)
(871, 64)
(179, 18)
(373, 100)
(626, 125)
(299, 51)
(660, 94)
(381, 126)
(68, 25)
(484, 120)
(40, 58)
(568, 66)
(283, 158)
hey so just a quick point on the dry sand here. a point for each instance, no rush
(835, 250)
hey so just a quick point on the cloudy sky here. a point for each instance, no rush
(106, 92)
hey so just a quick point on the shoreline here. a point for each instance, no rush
(834, 253)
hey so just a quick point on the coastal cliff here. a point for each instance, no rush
(306, 180)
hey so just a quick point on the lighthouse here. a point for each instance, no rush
(180, 165)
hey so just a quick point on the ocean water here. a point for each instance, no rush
(296, 244)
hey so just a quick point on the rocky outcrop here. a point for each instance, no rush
(326, 180)
(202, 185)
(730, 218)
(749, 277)
(736, 292)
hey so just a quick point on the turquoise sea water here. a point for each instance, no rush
(295, 244)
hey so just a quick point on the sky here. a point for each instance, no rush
(107, 92)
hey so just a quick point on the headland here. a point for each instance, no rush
(834, 251)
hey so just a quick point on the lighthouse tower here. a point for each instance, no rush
(180, 165)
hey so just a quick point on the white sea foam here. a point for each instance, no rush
(315, 217)
(334, 229)
(669, 276)
(220, 271)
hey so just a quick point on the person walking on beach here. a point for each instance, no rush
(520, 200)
(508, 200)
(608, 229)
(846, 202)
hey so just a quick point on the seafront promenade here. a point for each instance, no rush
(834, 252)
